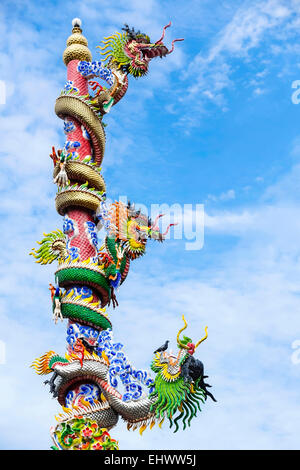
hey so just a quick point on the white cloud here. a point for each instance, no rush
(252, 25)
(247, 28)
(225, 196)
(231, 223)
(259, 91)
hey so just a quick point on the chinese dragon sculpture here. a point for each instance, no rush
(85, 380)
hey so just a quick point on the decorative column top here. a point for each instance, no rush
(77, 45)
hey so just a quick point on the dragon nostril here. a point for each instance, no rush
(151, 53)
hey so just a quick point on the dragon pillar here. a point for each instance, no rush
(87, 380)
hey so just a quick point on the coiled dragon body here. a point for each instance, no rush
(85, 380)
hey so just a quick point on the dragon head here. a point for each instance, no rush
(132, 50)
(187, 343)
(132, 228)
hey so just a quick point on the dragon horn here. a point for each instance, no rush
(204, 337)
(163, 33)
(153, 226)
(168, 228)
(180, 331)
(174, 40)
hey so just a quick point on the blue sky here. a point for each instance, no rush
(211, 124)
